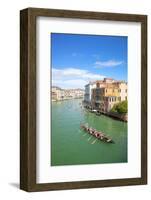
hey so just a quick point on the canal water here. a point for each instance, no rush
(72, 146)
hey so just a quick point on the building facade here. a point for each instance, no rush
(58, 94)
(106, 94)
(88, 93)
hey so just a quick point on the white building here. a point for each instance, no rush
(88, 92)
(58, 94)
(123, 91)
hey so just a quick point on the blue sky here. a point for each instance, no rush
(77, 59)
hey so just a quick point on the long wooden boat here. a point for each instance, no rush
(98, 134)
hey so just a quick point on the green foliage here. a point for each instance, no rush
(114, 108)
(120, 107)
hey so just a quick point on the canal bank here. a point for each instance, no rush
(70, 145)
(119, 116)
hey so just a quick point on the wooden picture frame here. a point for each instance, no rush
(28, 98)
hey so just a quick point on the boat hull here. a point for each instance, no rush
(98, 134)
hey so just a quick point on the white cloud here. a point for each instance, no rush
(70, 84)
(73, 77)
(108, 63)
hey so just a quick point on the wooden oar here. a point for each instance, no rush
(94, 141)
(89, 137)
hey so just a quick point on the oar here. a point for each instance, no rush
(89, 137)
(94, 141)
(84, 134)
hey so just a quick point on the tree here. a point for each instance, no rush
(120, 107)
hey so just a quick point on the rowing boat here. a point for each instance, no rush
(98, 134)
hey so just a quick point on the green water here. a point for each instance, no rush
(70, 145)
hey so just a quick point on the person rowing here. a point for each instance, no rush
(91, 131)
(98, 134)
